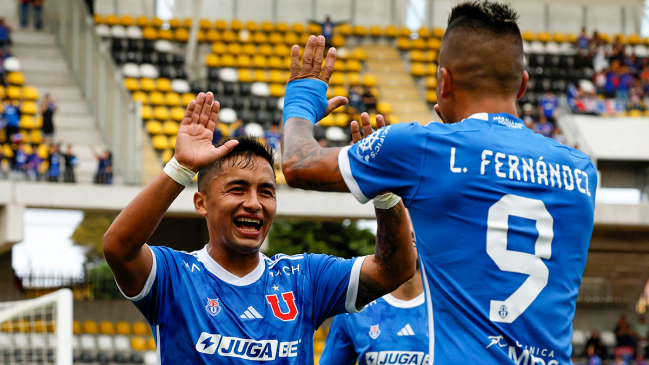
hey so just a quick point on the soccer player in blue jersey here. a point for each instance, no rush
(503, 216)
(389, 331)
(228, 303)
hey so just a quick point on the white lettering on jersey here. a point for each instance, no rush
(535, 171)
(396, 357)
(455, 170)
(523, 354)
(247, 349)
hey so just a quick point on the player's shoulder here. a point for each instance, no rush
(281, 259)
(174, 255)
(569, 155)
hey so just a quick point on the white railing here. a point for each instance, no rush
(101, 83)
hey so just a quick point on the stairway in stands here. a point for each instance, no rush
(395, 84)
(45, 68)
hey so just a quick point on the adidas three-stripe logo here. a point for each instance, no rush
(406, 331)
(251, 313)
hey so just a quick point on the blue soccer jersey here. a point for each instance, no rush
(388, 331)
(202, 314)
(503, 218)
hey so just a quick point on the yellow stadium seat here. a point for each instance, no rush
(359, 54)
(318, 346)
(340, 65)
(431, 69)
(44, 151)
(245, 75)
(201, 36)
(345, 30)
(163, 84)
(605, 37)
(267, 26)
(260, 38)
(177, 113)
(234, 49)
(327, 121)
(282, 27)
(633, 39)
(559, 37)
(353, 78)
(14, 92)
(111, 19)
(431, 96)
(291, 39)
(419, 44)
(25, 136)
(286, 63)
(26, 122)
(431, 82)
(123, 328)
(76, 326)
(150, 34)
(572, 37)
(438, 32)
(172, 99)
(353, 66)
(635, 113)
(147, 112)
(170, 128)
(90, 327)
(156, 98)
(314, 29)
(416, 56)
(298, 28)
(228, 36)
(138, 344)
(161, 113)
(127, 20)
(98, 19)
(404, 43)
(204, 24)
(418, 70)
(337, 79)
(219, 48)
(165, 34)
(376, 31)
(338, 41)
(544, 37)
(167, 155)
(360, 30)
(404, 32)
(141, 329)
(36, 136)
(221, 25)
(140, 96)
(187, 23)
(528, 36)
(275, 38)
(2, 95)
(266, 49)
(212, 60)
(430, 56)
(341, 120)
(16, 78)
(147, 84)
(187, 98)
(142, 21)
(369, 80)
(236, 25)
(213, 35)
(252, 26)
(275, 62)
(174, 23)
(423, 32)
(261, 76)
(181, 35)
(153, 127)
(391, 31)
(278, 77)
(249, 49)
(106, 328)
(28, 107)
(277, 90)
(172, 143)
(383, 108)
(157, 22)
(434, 44)
(8, 152)
(228, 60)
(340, 91)
(160, 142)
(150, 343)
(321, 333)
(243, 61)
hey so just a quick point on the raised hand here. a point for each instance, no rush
(367, 126)
(194, 148)
(312, 67)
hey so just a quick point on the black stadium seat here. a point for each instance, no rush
(163, 59)
(262, 117)
(116, 45)
(148, 46)
(119, 358)
(180, 73)
(271, 104)
(244, 89)
(239, 104)
(134, 45)
(277, 117)
(147, 58)
(103, 358)
(246, 115)
(136, 358)
(178, 60)
(226, 102)
(85, 357)
(198, 86)
(213, 74)
(228, 88)
(255, 103)
(133, 57)
(118, 57)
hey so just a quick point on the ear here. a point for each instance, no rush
(523, 87)
(444, 83)
(199, 203)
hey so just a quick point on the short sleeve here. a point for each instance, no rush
(157, 296)
(390, 159)
(339, 348)
(335, 285)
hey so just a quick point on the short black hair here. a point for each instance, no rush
(242, 155)
(484, 14)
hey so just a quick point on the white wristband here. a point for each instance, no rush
(178, 173)
(386, 201)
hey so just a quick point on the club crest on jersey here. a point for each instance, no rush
(370, 146)
(374, 331)
(213, 307)
(503, 311)
(289, 299)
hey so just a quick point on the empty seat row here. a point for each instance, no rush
(160, 84)
(110, 328)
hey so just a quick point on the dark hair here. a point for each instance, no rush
(481, 14)
(242, 155)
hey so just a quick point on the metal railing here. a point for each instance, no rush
(101, 83)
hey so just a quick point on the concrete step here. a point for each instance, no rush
(58, 65)
(26, 52)
(49, 79)
(396, 68)
(400, 93)
(421, 118)
(72, 107)
(60, 93)
(64, 121)
(32, 38)
(80, 137)
(408, 106)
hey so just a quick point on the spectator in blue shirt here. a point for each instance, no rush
(327, 29)
(273, 137)
(21, 158)
(548, 105)
(543, 127)
(33, 164)
(583, 42)
(5, 35)
(54, 169)
(624, 85)
(12, 117)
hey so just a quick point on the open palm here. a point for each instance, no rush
(194, 148)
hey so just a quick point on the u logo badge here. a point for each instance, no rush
(289, 298)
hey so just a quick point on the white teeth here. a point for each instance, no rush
(250, 220)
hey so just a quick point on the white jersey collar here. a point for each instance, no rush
(419, 300)
(481, 116)
(228, 277)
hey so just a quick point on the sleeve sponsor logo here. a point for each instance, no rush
(369, 147)
(396, 357)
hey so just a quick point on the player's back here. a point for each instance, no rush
(503, 219)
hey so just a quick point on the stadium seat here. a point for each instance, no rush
(431, 69)
(346, 29)
(146, 112)
(369, 80)
(438, 32)
(227, 115)
(431, 82)
(12, 64)
(141, 21)
(160, 142)
(153, 127)
(148, 71)
(156, 98)
(383, 108)
(221, 25)
(159, 113)
(16, 78)
(127, 20)
(87, 342)
(90, 327)
(277, 90)
(359, 54)
(186, 99)
(140, 96)
(391, 31)
(28, 107)
(131, 84)
(14, 92)
(118, 31)
(170, 128)
(337, 79)
(98, 19)
(434, 44)
(138, 343)
(236, 25)
(134, 32)
(179, 86)
(416, 56)
(260, 76)
(431, 96)
(375, 30)
(181, 35)
(278, 77)
(102, 30)
(423, 32)
(418, 70)
(404, 43)
(172, 99)
(26, 122)
(141, 328)
(111, 19)
(318, 346)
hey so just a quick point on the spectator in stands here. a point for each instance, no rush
(635, 97)
(612, 82)
(48, 108)
(625, 337)
(356, 99)
(369, 100)
(5, 35)
(548, 107)
(3, 82)
(594, 42)
(527, 117)
(238, 128)
(558, 136)
(327, 28)
(104, 168)
(600, 59)
(20, 156)
(12, 116)
(543, 128)
(217, 136)
(618, 52)
(34, 162)
(593, 358)
(4, 165)
(624, 85)
(24, 13)
(642, 331)
(582, 42)
(71, 162)
(273, 137)
(38, 14)
(596, 342)
(54, 169)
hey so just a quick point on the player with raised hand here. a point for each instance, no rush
(503, 216)
(228, 303)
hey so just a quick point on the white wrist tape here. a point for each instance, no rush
(386, 201)
(178, 173)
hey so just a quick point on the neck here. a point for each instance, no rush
(469, 106)
(411, 289)
(236, 263)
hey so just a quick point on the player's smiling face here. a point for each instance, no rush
(240, 206)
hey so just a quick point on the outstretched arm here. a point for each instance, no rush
(124, 241)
